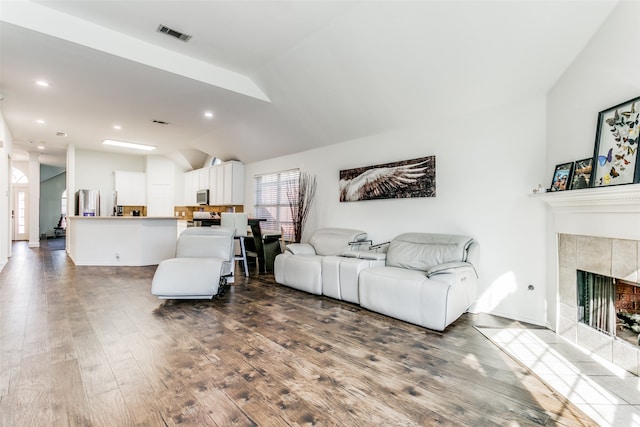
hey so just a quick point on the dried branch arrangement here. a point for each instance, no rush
(300, 200)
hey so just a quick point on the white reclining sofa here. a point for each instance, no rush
(301, 265)
(203, 263)
(427, 279)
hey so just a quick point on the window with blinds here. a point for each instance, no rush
(272, 203)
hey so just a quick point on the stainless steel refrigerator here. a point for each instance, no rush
(88, 203)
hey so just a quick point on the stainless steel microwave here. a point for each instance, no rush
(202, 197)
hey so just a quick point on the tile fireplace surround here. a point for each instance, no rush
(609, 257)
(598, 230)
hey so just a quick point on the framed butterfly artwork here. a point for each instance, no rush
(562, 177)
(615, 158)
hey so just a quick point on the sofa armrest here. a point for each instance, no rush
(375, 256)
(450, 268)
(380, 247)
(300, 249)
(368, 255)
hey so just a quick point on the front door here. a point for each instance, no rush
(19, 213)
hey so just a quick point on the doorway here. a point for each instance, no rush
(19, 205)
(19, 213)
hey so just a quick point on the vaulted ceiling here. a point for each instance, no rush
(279, 76)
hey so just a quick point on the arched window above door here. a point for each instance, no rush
(18, 177)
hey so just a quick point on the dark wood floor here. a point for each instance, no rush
(90, 346)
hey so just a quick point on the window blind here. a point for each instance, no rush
(272, 203)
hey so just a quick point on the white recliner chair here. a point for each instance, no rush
(204, 259)
(301, 266)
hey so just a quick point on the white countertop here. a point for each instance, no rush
(122, 217)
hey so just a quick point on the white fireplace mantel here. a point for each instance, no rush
(613, 199)
(611, 212)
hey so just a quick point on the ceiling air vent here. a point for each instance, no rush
(160, 122)
(173, 33)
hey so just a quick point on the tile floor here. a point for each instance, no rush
(606, 393)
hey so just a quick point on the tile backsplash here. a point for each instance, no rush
(186, 212)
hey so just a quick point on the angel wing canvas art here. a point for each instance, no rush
(409, 178)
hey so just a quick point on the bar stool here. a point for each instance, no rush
(238, 222)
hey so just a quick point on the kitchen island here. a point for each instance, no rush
(121, 240)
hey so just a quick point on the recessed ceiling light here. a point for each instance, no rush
(208, 114)
(61, 134)
(129, 145)
(117, 127)
(40, 121)
(40, 147)
(42, 83)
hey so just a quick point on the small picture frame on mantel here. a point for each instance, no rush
(562, 177)
(582, 174)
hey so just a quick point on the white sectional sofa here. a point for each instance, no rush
(300, 266)
(428, 279)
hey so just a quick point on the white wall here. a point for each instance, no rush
(486, 165)
(34, 200)
(94, 171)
(179, 185)
(6, 146)
(51, 190)
(160, 175)
(604, 74)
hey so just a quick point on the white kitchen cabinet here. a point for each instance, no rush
(233, 193)
(226, 184)
(131, 188)
(203, 179)
(224, 181)
(216, 185)
(191, 184)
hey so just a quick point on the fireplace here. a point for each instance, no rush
(617, 261)
(609, 305)
(594, 230)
